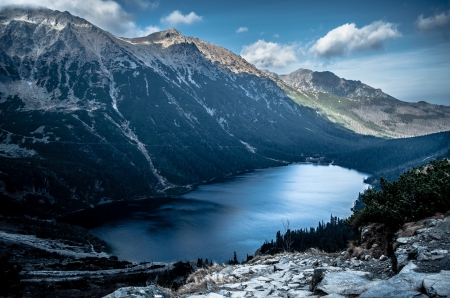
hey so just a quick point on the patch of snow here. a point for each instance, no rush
(146, 84)
(133, 65)
(40, 130)
(190, 78)
(124, 127)
(249, 147)
(180, 110)
(89, 128)
(43, 140)
(210, 111)
(15, 151)
(248, 94)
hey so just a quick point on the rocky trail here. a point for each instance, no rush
(421, 260)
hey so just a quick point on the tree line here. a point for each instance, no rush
(331, 236)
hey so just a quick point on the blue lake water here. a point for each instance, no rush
(238, 215)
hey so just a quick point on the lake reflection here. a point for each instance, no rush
(236, 215)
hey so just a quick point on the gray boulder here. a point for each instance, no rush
(438, 285)
(346, 283)
(318, 275)
(406, 284)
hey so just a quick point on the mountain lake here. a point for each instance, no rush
(237, 214)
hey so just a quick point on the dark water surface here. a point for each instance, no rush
(236, 215)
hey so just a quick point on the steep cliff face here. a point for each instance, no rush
(88, 116)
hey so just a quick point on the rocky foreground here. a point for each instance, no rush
(421, 259)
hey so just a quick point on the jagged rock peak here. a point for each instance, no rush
(165, 38)
(214, 53)
(170, 32)
(40, 15)
(162, 35)
(328, 82)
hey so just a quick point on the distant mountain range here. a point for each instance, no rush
(88, 117)
(362, 108)
(328, 82)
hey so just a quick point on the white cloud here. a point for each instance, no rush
(176, 17)
(106, 14)
(437, 23)
(148, 30)
(268, 54)
(347, 39)
(143, 4)
(242, 30)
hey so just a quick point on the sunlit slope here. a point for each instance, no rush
(383, 117)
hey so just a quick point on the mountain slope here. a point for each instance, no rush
(361, 108)
(88, 117)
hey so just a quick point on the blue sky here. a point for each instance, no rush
(402, 47)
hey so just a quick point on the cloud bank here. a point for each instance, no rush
(347, 39)
(437, 23)
(108, 15)
(176, 17)
(242, 30)
(268, 54)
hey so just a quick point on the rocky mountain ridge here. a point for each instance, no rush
(217, 55)
(362, 108)
(328, 82)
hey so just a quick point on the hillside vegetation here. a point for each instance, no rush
(416, 194)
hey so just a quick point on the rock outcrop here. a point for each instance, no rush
(426, 243)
